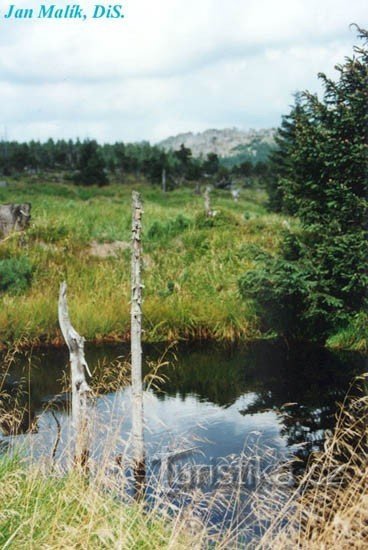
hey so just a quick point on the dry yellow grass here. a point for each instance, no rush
(329, 509)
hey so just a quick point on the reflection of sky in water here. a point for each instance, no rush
(216, 404)
(219, 400)
(170, 423)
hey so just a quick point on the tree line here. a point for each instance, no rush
(88, 162)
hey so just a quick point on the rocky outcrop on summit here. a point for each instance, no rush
(228, 142)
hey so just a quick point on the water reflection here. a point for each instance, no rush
(215, 396)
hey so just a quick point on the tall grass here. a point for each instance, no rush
(329, 507)
(354, 336)
(51, 511)
(190, 269)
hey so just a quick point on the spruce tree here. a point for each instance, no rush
(319, 279)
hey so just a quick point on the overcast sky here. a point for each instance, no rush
(169, 66)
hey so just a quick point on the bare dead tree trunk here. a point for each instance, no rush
(80, 389)
(136, 343)
(207, 202)
(164, 180)
(235, 193)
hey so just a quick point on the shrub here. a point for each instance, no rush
(292, 296)
(290, 302)
(15, 275)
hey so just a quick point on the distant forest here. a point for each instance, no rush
(87, 163)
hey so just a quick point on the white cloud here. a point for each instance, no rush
(169, 66)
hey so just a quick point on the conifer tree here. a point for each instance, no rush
(319, 279)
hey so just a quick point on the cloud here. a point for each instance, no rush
(168, 66)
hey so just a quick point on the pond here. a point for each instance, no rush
(212, 404)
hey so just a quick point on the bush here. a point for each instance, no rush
(292, 297)
(15, 275)
(290, 302)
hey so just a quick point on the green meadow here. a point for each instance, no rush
(192, 264)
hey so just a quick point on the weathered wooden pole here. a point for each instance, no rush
(136, 343)
(207, 202)
(235, 193)
(164, 180)
(80, 389)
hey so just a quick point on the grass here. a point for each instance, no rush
(191, 273)
(53, 511)
(192, 264)
(354, 336)
(191, 268)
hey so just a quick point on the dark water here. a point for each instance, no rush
(264, 400)
(289, 396)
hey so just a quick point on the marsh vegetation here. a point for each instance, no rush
(191, 264)
(232, 267)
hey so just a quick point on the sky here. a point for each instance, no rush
(168, 66)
